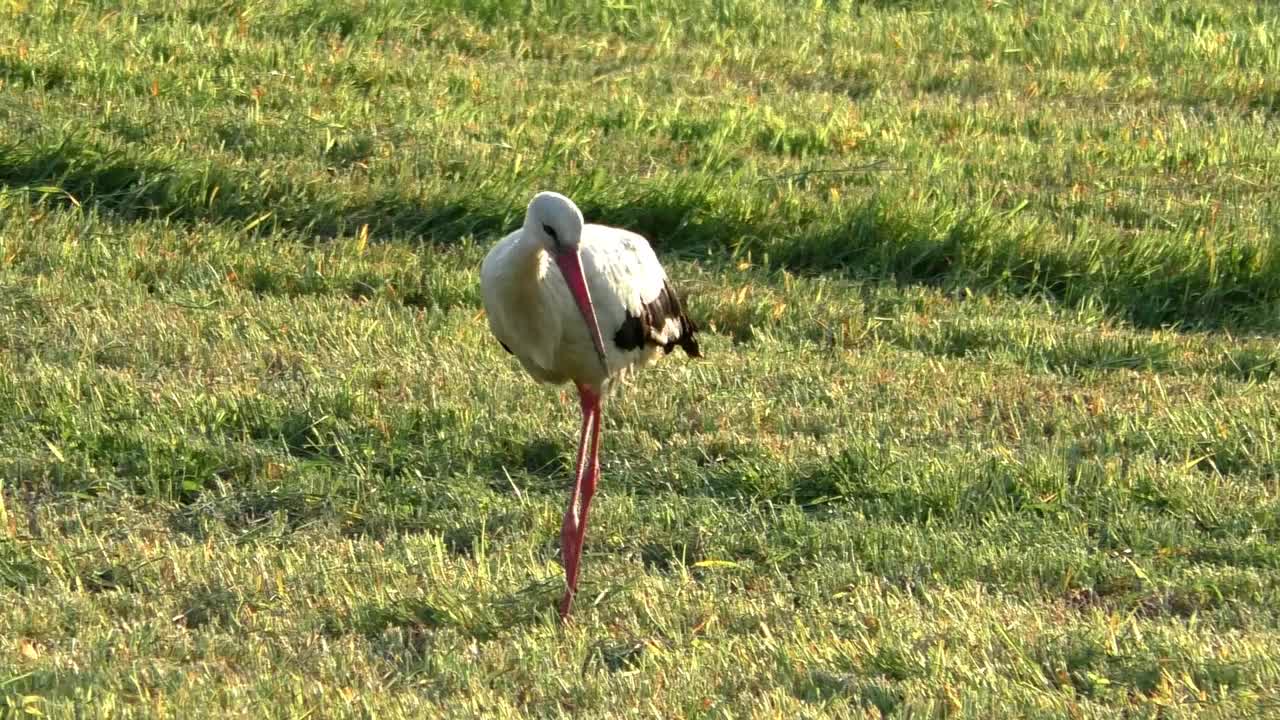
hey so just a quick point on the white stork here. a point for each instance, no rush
(586, 303)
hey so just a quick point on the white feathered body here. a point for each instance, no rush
(532, 312)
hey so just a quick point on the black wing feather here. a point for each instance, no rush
(645, 328)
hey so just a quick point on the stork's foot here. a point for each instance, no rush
(566, 606)
(570, 554)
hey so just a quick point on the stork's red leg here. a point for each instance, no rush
(573, 528)
(592, 476)
(569, 548)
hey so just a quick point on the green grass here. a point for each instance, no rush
(987, 428)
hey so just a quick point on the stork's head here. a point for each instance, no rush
(555, 221)
(557, 224)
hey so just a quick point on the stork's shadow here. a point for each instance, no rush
(542, 463)
(409, 623)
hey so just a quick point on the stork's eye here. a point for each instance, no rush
(551, 232)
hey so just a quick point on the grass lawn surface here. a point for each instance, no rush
(987, 427)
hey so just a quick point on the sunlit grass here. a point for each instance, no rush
(986, 426)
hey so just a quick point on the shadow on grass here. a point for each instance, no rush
(20, 569)
(822, 686)
(27, 74)
(540, 465)
(115, 184)
(1148, 283)
(409, 622)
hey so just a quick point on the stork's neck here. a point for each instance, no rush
(527, 263)
(528, 252)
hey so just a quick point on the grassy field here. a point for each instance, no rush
(988, 424)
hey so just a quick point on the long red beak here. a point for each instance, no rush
(571, 268)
